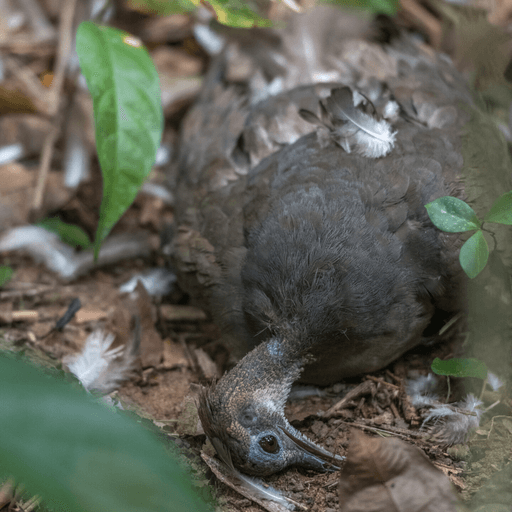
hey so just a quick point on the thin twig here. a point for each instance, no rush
(382, 381)
(29, 83)
(389, 430)
(54, 99)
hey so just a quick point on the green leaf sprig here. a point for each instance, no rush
(453, 215)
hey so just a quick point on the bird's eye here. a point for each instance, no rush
(269, 444)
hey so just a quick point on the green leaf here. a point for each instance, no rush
(5, 274)
(78, 455)
(164, 7)
(501, 210)
(460, 367)
(128, 118)
(474, 254)
(238, 13)
(452, 215)
(389, 7)
(68, 233)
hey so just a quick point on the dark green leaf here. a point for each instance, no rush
(460, 367)
(474, 254)
(124, 86)
(5, 274)
(80, 456)
(501, 210)
(68, 233)
(452, 215)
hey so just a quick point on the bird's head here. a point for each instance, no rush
(243, 416)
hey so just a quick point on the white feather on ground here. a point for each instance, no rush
(447, 423)
(421, 391)
(256, 487)
(452, 424)
(100, 368)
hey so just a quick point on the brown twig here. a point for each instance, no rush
(430, 23)
(389, 430)
(54, 99)
(382, 381)
(365, 388)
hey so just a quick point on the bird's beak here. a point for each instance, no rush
(314, 457)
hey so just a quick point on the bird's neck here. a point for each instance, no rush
(267, 372)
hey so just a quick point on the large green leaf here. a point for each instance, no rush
(474, 254)
(124, 86)
(78, 454)
(452, 215)
(501, 210)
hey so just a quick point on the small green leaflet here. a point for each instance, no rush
(452, 215)
(474, 254)
(460, 367)
(501, 210)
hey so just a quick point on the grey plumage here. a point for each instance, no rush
(324, 260)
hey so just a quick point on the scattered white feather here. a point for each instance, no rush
(421, 391)
(100, 368)
(358, 98)
(350, 127)
(494, 381)
(62, 259)
(452, 425)
(256, 488)
(209, 40)
(391, 110)
(11, 153)
(367, 135)
(157, 281)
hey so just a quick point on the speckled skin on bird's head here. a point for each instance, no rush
(325, 257)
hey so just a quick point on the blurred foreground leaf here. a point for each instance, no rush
(79, 455)
(128, 118)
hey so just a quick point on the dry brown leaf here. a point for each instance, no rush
(388, 475)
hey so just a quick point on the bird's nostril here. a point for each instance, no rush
(269, 444)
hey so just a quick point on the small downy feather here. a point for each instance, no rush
(342, 113)
(100, 368)
(421, 391)
(452, 425)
